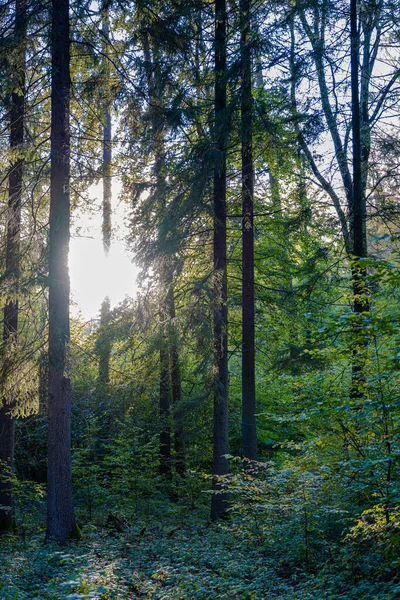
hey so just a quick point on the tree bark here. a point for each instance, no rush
(107, 157)
(219, 502)
(156, 105)
(354, 183)
(357, 212)
(249, 432)
(107, 148)
(104, 342)
(60, 513)
(176, 388)
(104, 346)
(165, 433)
(13, 238)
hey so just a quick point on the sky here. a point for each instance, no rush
(94, 276)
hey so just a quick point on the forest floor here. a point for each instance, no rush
(169, 554)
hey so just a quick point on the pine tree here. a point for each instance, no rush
(104, 346)
(249, 432)
(60, 513)
(176, 387)
(219, 501)
(10, 327)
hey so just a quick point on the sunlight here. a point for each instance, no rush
(93, 275)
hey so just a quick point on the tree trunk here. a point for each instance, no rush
(176, 388)
(219, 503)
(104, 346)
(249, 433)
(60, 514)
(156, 106)
(10, 331)
(357, 214)
(165, 433)
(107, 157)
(107, 148)
(104, 342)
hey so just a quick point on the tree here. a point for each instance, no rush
(358, 210)
(60, 513)
(107, 137)
(219, 501)
(176, 387)
(350, 120)
(104, 346)
(10, 327)
(249, 432)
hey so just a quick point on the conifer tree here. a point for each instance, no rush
(219, 502)
(176, 387)
(60, 513)
(107, 136)
(249, 433)
(13, 239)
(104, 346)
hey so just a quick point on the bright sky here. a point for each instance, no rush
(93, 276)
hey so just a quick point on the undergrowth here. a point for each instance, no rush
(172, 552)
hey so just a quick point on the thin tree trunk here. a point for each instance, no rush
(107, 158)
(165, 391)
(219, 502)
(176, 388)
(60, 513)
(107, 147)
(249, 433)
(165, 388)
(155, 99)
(10, 331)
(353, 228)
(358, 212)
(104, 345)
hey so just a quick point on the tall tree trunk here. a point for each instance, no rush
(165, 380)
(156, 106)
(219, 502)
(357, 212)
(176, 388)
(107, 157)
(104, 345)
(165, 391)
(60, 513)
(107, 147)
(10, 331)
(249, 433)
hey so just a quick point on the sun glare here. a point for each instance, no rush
(93, 275)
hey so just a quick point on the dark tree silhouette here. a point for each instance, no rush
(219, 501)
(249, 433)
(60, 513)
(10, 330)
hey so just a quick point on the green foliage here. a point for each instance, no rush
(174, 554)
(318, 516)
(288, 511)
(374, 543)
(131, 463)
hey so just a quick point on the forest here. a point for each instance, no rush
(229, 426)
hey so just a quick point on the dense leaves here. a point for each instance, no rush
(317, 516)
